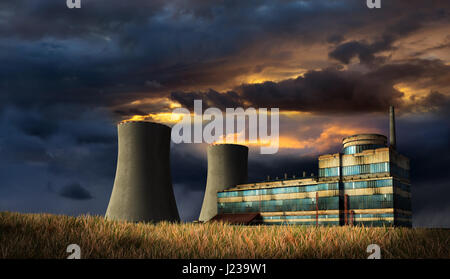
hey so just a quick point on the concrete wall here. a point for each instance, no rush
(274, 184)
(143, 186)
(227, 167)
(371, 156)
(329, 161)
(364, 139)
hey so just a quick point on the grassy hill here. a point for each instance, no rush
(47, 236)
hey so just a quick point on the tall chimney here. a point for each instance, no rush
(392, 137)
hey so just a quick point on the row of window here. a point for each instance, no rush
(307, 204)
(280, 190)
(365, 169)
(376, 183)
(329, 172)
(370, 201)
(314, 188)
(368, 184)
(325, 203)
(360, 148)
(381, 215)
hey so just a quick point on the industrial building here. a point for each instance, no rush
(367, 183)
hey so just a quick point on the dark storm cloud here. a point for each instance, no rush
(56, 145)
(366, 52)
(331, 90)
(335, 38)
(443, 45)
(434, 101)
(52, 18)
(210, 98)
(131, 111)
(363, 50)
(344, 91)
(113, 51)
(75, 191)
(425, 71)
(405, 25)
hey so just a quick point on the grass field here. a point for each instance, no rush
(47, 236)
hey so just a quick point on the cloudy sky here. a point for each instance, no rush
(68, 76)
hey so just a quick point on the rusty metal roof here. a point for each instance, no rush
(235, 218)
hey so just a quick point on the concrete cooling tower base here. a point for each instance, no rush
(143, 187)
(227, 167)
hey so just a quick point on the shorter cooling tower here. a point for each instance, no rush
(143, 186)
(227, 167)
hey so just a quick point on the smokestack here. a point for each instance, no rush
(142, 189)
(392, 136)
(227, 167)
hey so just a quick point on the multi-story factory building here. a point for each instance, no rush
(367, 183)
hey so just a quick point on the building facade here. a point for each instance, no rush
(365, 184)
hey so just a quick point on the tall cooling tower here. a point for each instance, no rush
(227, 167)
(143, 186)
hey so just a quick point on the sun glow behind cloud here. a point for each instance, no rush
(330, 135)
(410, 92)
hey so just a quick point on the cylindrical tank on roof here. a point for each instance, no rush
(142, 189)
(358, 143)
(227, 167)
(364, 139)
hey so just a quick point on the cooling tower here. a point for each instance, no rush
(143, 186)
(227, 167)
